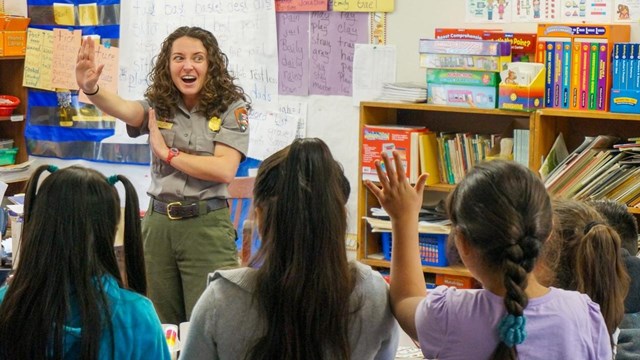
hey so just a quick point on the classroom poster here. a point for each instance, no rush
(333, 35)
(488, 11)
(293, 53)
(583, 11)
(626, 11)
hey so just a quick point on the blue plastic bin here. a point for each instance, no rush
(432, 248)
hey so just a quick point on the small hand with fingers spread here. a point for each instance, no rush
(87, 74)
(395, 193)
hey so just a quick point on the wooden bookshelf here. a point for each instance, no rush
(436, 118)
(12, 127)
(544, 126)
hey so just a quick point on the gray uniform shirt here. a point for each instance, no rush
(190, 132)
(225, 322)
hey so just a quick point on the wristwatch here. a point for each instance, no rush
(173, 152)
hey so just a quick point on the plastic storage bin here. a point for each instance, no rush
(8, 156)
(432, 248)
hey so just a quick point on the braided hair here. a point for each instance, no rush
(503, 210)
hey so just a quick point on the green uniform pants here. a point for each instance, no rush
(178, 256)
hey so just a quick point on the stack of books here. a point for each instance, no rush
(404, 92)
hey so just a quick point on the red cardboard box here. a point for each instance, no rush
(403, 139)
(461, 282)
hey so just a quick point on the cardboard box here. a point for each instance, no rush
(625, 101)
(523, 45)
(379, 138)
(515, 93)
(463, 95)
(461, 282)
(13, 35)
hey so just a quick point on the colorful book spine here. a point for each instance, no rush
(575, 76)
(557, 73)
(548, 61)
(566, 74)
(631, 70)
(540, 51)
(603, 71)
(624, 71)
(615, 65)
(584, 75)
(593, 75)
(636, 64)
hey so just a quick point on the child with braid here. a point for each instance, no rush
(67, 299)
(501, 217)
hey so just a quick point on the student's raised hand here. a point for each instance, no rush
(87, 74)
(156, 140)
(395, 193)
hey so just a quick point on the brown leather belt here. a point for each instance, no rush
(186, 209)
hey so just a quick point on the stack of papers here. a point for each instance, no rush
(407, 92)
(424, 227)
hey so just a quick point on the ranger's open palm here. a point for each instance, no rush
(87, 74)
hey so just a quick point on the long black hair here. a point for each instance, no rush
(304, 281)
(70, 224)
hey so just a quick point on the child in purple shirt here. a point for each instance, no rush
(501, 217)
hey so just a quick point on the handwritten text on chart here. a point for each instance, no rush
(333, 35)
(293, 53)
(65, 53)
(38, 59)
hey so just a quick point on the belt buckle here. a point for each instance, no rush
(169, 206)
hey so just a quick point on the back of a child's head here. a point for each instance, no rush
(305, 185)
(621, 220)
(304, 278)
(70, 222)
(590, 259)
(503, 210)
(72, 216)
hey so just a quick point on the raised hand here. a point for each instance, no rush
(87, 74)
(395, 193)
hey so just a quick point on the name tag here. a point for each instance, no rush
(164, 125)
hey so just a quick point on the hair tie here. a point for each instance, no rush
(52, 168)
(591, 225)
(511, 330)
(112, 180)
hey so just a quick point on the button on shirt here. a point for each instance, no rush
(189, 131)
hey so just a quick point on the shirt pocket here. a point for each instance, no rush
(204, 144)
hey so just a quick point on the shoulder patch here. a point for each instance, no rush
(242, 118)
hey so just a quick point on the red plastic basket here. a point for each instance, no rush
(8, 103)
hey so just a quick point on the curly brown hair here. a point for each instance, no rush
(218, 92)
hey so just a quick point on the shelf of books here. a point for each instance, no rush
(444, 141)
(590, 155)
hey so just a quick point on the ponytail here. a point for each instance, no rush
(600, 273)
(133, 249)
